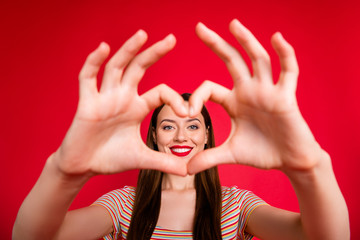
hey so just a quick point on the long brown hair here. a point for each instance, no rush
(148, 193)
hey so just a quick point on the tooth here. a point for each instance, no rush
(181, 150)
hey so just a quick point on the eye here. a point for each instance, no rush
(167, 127)
(193, 127)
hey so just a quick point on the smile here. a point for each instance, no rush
(181, 151)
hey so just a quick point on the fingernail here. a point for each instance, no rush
(200, 24)
(170, 38)
(191, 111)
(141, 34)
(102, 45)
(184, 110)
(238, 23)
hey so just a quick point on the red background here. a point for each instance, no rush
(44, 44)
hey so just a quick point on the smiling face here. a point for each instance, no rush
(182, 137)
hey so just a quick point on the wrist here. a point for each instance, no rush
(64, 178)
(321, 168)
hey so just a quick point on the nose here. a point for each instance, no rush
(181, 135)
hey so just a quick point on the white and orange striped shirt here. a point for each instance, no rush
(237, 206)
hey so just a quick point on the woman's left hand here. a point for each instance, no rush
(268, 130)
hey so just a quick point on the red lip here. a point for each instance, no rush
(182, 153)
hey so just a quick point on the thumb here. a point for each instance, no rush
(210, 158)
(162, 162)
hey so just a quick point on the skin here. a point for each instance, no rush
(268, 132)
(173, 130)
(178, 193)
(107, 122)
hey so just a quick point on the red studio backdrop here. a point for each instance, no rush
(44, 44)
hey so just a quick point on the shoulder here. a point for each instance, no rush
(240, 196)
(233, 192)
(125, 191)
(118, 196)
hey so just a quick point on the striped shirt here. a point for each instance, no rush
(237, 206)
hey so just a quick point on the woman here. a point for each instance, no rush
(191, 205)
(268, 132)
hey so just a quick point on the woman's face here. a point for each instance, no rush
(182, 137)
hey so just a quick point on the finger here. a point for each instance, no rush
(207, 91)
(162, 94)
(89, 71)
(151, 159)
(289, 66)
(259, 57)
(141, 62)
(210, 158)
(232, 58)
(115, 67)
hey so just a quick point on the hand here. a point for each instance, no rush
(267, 130)
(104, 137)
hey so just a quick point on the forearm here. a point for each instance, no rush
(45, 207)
(323, 210)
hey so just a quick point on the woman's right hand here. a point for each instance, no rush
(104, 137)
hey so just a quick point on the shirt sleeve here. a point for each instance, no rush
(114, 202)
(248, 202)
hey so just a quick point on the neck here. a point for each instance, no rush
(178, 183)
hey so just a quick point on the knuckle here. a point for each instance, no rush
(207, 83)
(138, 62)
(291, 50)
(81, 75)
(108, 67)
(158, 52)
(111, 66)
(90, 57)
(130, 48)
(162, 87)
(213, 43)
(262, 56)
(296, 70)
(84, 74)
(230, 57)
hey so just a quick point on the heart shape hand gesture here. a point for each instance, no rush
(268, 130)
(104, 137)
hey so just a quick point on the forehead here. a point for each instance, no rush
(167, 113)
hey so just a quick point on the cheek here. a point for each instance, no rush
(200, 138)
(163, 139)
(161, 145)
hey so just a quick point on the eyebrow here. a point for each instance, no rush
(173, 121)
